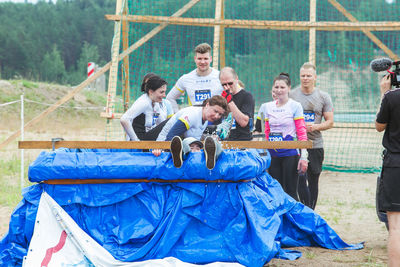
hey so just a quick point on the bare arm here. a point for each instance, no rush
(327, 124)
(241, 118)
(174, 94)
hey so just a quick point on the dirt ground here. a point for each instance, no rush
(347, 203)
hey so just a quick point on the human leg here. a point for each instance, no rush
(275, 170)
(394, 238)
(290, 175)
(152, 134)
(315, 158)
(389, 201)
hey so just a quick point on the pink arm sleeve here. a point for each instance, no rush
(267, 130)
(301, 129)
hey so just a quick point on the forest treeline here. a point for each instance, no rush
(54, 41)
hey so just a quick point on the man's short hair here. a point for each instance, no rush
(228, 70)
(202, 48)
(309, 65)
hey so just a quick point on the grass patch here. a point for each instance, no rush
(95, 98)
(29, 84)
(10, 188)
(310, 255)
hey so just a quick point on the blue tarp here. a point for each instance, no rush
(248, 222)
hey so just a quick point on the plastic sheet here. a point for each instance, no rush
(246, 222)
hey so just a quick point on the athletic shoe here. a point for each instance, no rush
(176, 151)
(209, 152)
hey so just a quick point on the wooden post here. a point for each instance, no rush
(125, 45)
(368, 33)
(217, 31)
(113, 74)
(222, 38)
(312, 37)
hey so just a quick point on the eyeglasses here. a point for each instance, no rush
(224, 84)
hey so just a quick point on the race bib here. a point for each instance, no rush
(201, 95)
(233, 124)
(155, 118)
(275, 137)
(309, 116)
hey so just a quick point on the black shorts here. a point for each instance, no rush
(389, 189)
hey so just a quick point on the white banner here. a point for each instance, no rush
(58, 241)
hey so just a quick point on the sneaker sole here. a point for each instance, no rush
(176, 151)
(209, 149)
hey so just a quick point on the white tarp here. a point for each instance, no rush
(58, 241)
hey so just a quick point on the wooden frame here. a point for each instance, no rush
(266, 24)
(158, 144)
(353, 25)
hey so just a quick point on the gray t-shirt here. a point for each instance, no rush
(314, 105)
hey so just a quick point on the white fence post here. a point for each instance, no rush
(22, 139)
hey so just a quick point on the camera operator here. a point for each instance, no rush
(388, 120)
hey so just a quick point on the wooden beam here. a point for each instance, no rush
(222, 62)
(158, 144)
(125, 45)
(267, 24)
(312, 32)
(366, 31)
(113, 74)
(119, 181)
(217, 31)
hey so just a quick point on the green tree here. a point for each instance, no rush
(52, 67)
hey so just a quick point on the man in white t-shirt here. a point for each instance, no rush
(201, 83)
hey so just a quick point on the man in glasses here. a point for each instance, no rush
(240, 103)
(200, 84)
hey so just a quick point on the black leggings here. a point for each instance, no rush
(284, 169)
(150, 135)
(308, 184)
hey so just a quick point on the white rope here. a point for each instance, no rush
(9, 103)
(46, 104)
(61, 106)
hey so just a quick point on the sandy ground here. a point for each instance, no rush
(347, 202)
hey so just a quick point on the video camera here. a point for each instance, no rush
(382, 64)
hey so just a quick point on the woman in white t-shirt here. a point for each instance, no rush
(284, 121)
(146, 117)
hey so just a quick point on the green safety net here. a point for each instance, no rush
(258, 55)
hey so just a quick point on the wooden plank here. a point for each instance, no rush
(312, 32)
(158, 144)
(222, 38)
(96, 75)
(118, 181)
(267, 24)
(125, 45)
(366, 31)
(113, 74)
(217, 31)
